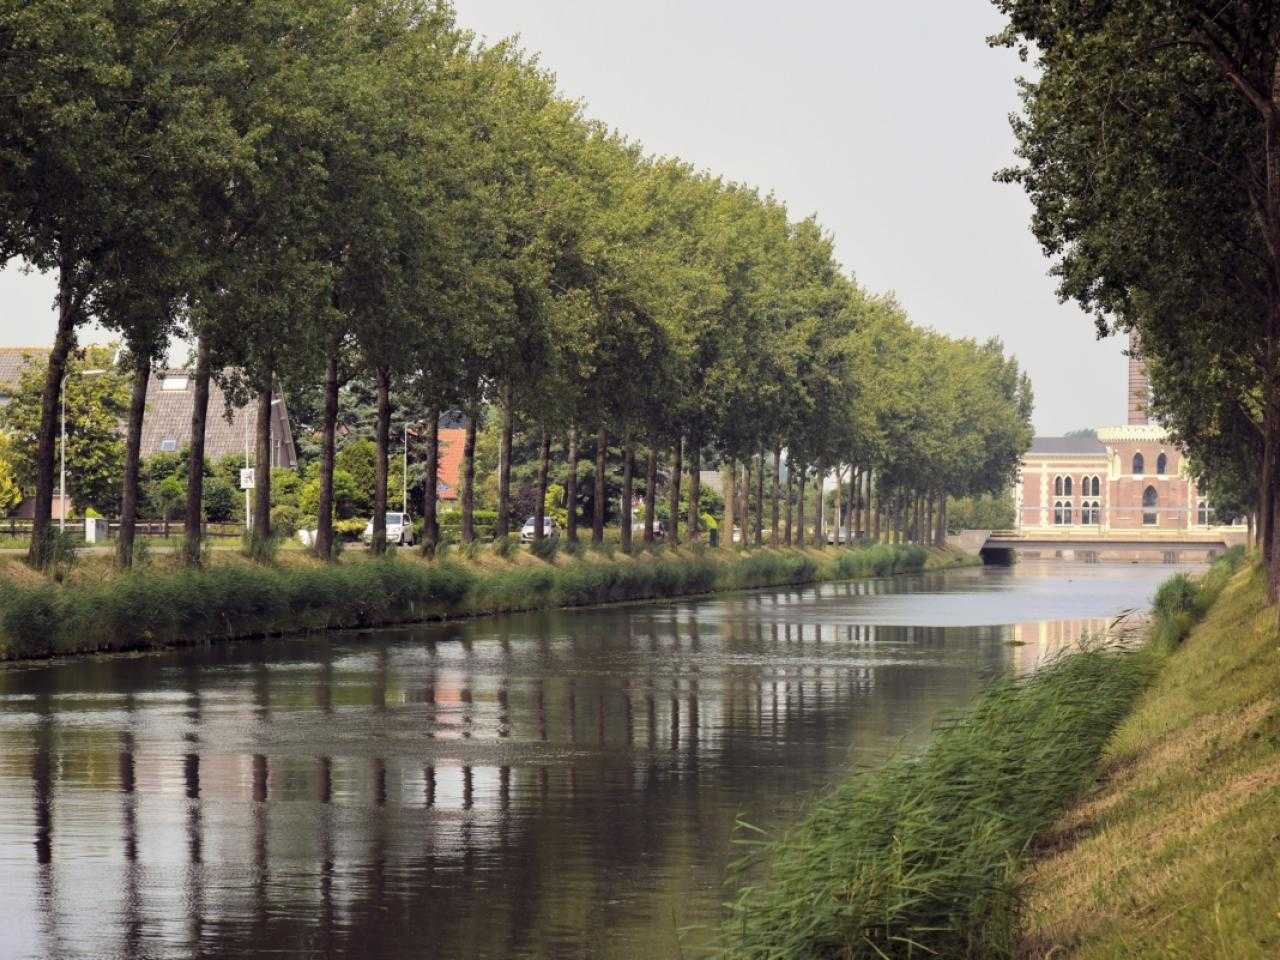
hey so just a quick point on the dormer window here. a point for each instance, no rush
(174, 383)
(168, 446)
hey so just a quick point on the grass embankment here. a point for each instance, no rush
(923, 857)
(1177, 853)
(97, 610)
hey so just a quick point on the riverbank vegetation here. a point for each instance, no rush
(320, 195)
(925, 857)
(99, 609)
(1174, 853)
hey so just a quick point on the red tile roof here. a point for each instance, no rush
(452, 442)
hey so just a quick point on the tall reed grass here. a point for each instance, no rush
(151, 608)
(920, 858)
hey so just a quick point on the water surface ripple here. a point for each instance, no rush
(558, 785)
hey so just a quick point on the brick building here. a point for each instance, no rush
(1128, 477)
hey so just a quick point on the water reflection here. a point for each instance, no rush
(542, 786)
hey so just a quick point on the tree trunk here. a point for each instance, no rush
(819, 540)
(695, 489)
(193, 528)
(628, 468)
(804, 476)
(787, 536)
(747, 475)
(597, 516)
(729, 479)
(927, 533)
(382, 432)
(759, 499)
(839, 529)
(503, 526)
(544, 468)
(262, 463)
(775, 493)
(42, 519)
(133, 444)
(571, 487)
(650, 491)
(328, 451)
(677, 469)
(431, 485)
(469, 478)
(874, 487)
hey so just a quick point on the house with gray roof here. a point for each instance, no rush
(166, 425)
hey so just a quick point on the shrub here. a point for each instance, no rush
(350, 529)
(286, 520)
(546, 548)
(504, 546)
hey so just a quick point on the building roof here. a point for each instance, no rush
(13, 360)
(166, 426)
(1058, 446)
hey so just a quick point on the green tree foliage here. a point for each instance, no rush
(96, 395)
(385, 221)
(1148, 148)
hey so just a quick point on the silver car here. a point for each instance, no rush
(549, 529)
(399, 529)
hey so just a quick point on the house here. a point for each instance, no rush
(13, 360)
(166, 425)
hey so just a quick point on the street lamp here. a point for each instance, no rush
(62, 447)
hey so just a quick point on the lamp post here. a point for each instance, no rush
(62, 447)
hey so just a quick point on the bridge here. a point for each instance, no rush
(1090, 542)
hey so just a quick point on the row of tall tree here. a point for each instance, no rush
(1150, 148)
(320, 190)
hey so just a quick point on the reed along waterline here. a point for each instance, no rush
(537, 785)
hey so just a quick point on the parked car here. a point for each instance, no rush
(549, 529)
(844, 535)
(399, 529)
(659, 530)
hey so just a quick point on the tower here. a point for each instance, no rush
(1139, 388)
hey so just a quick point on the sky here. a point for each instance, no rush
(887, 120)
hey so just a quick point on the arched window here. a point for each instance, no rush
(1066, 486)
(1162, 463)
(1139, 465)
(1057, 486)
(1097, 487)
(1066, 511)
(1204, 513)
(1150, 506)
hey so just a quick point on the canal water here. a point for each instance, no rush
(558, 785)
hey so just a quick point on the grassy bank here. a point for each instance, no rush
(98, 610)
(924, 857)
(1176, 853)
(920, 858)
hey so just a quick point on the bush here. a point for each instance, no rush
(546, 548)
(350, 529)
(286, 520)
(504, 546)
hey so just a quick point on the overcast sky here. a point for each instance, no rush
(886, 119)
